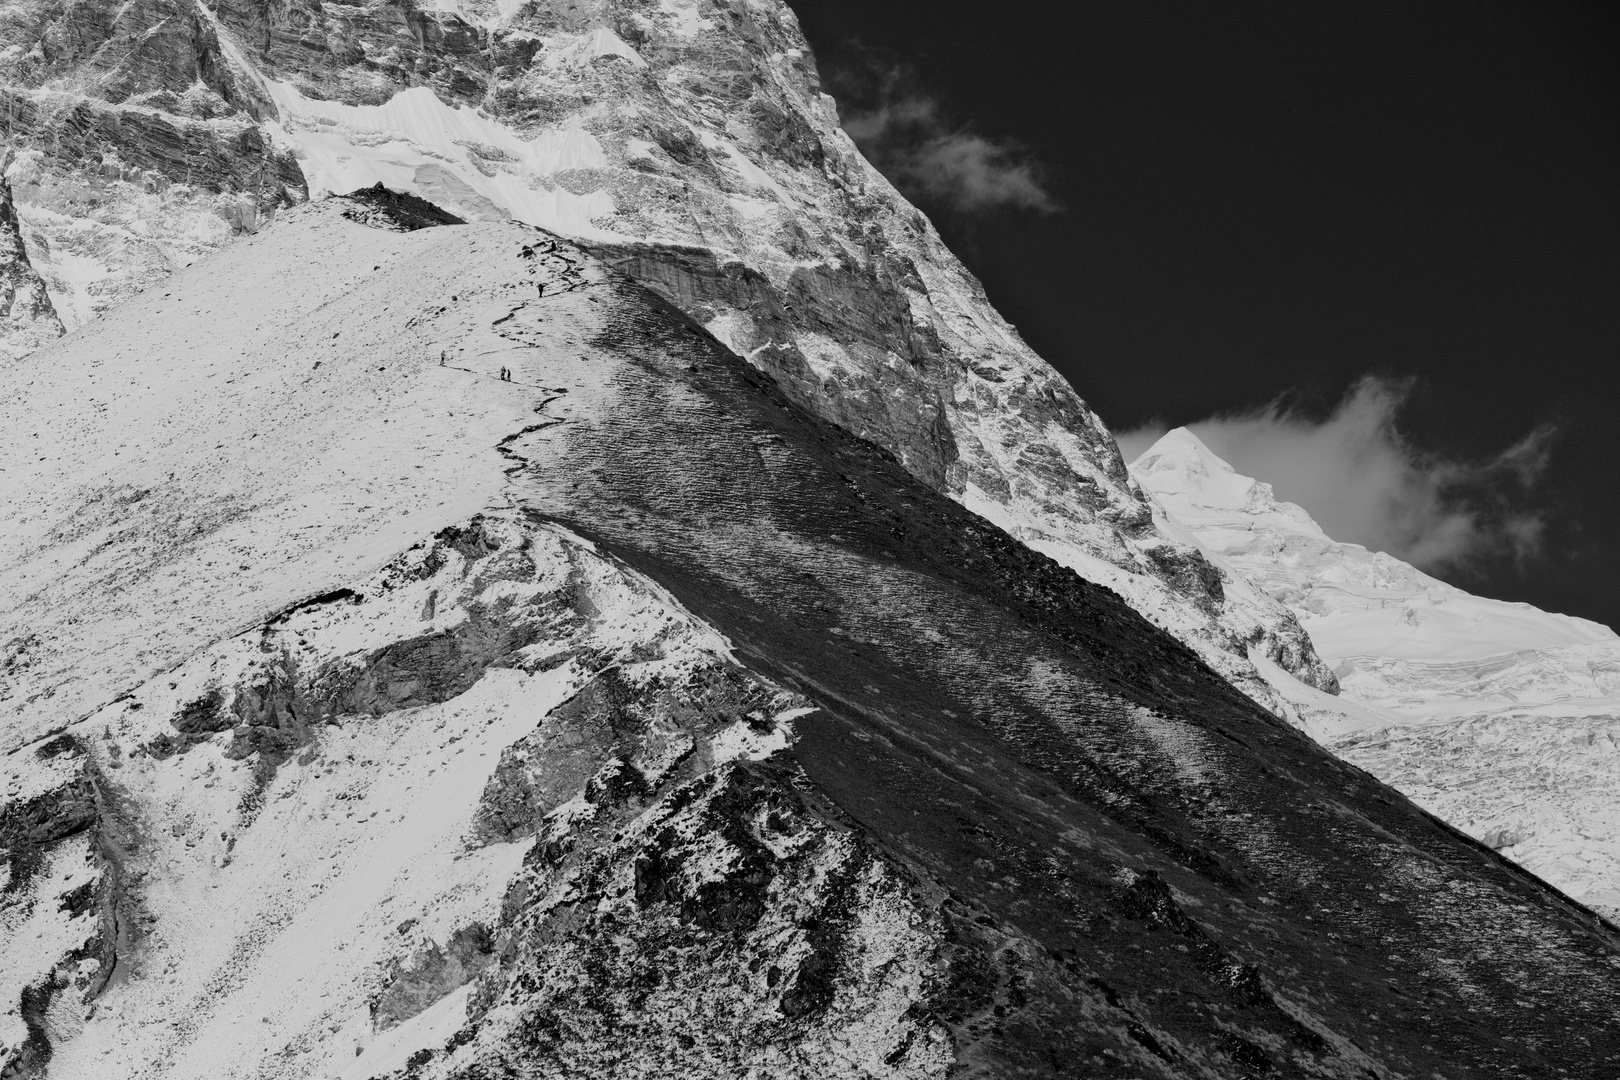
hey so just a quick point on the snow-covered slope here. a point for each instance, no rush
(1501, 718)
(687, 140)
(321, 684)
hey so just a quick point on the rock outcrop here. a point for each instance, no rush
(64, 840)
(26, 315)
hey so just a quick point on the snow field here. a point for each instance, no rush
(263, 430)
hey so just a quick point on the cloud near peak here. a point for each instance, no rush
(907, 136)
(1364, 483)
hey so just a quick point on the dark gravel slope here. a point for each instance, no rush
(1119, 841)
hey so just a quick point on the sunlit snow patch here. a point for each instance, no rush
(587, 47)
(394, 1049)
(754, 740)
(684, 20)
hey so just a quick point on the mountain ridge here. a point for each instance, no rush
(666, 127)
(975, 813)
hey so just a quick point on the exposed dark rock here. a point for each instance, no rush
(203, 716)
(331, 596)
(83, 806)
(1191, 572)
(431, 973)
(863, 308)
(30, 827)
(382, 208)
(686, 941)
(228, 154)
(35, 1053)
(612, 742)
(787, 135)
(59, 745)
(616, 782)
(274, 709)
(25, 305)
(368, 53)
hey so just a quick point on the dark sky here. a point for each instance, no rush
(1272, 197)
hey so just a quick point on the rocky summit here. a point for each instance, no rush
(532, 560)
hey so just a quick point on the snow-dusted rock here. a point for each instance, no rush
(26, 314)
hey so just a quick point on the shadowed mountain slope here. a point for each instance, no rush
(740, 748)
(1033, 742)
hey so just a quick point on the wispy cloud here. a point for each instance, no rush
(905, 133)
(1365, 483)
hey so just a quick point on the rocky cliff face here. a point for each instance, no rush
(138, 142)
(432, 654)
(686, 141)
(29, 320)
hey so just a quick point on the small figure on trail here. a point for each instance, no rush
(441, 359)
(542, 287)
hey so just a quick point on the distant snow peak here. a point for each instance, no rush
(1189, 479)
(1368, 483)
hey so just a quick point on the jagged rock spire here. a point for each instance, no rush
(26, 312)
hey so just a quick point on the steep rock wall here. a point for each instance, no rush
(26, 313)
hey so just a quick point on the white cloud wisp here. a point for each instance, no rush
(908, 138)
